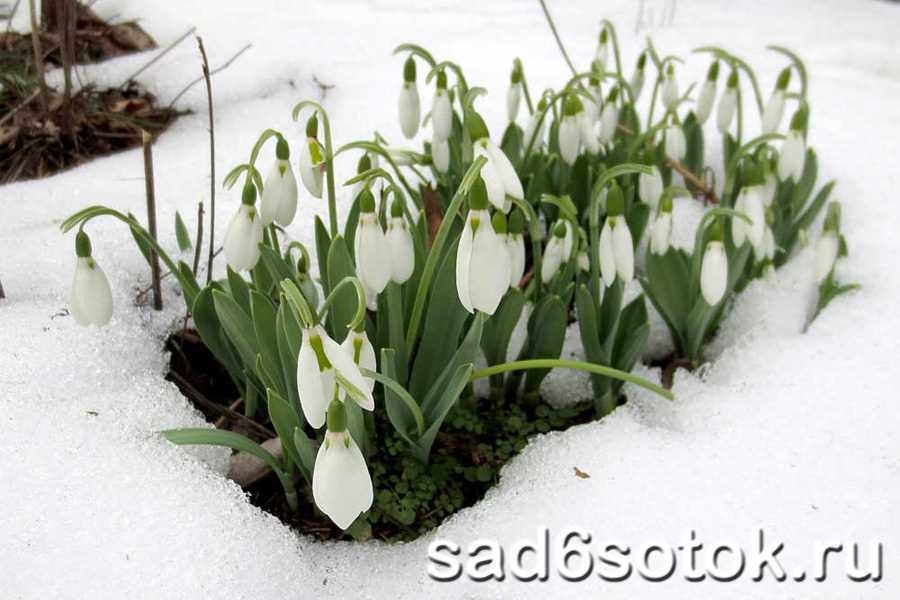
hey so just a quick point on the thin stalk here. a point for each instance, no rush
(329, 160)
(151, 217)
(218, 69)
(551, 363)
(199, 240)
(38, 61)
(67, 48)
(556, 35)
(2, 293)
(156, 58)
(212, 165)
(360, 315)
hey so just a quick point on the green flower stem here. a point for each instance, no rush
(376, 148)
(398, 389)
(798, 65)
(435, 253)
(359, 317)
(263, 138)
(551, 363)
(525, 87)
(299, 303)
(615, 43)
(734, 60)
(534, 232)
(329, 159)
(731, 170)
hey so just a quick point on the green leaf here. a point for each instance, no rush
(455, 383)
(403, 411)
(239, 290)
(277, 266)
(189, 284)
(210, 328)
(466, 353)
(350, 226)
(181, 233)
(499, 328)
(238, 327)
(263, 314)
(323, 245)
(803, 189)
(666, 286)
(288, 350)
(343, 308)
(285, 421)
(546, 340)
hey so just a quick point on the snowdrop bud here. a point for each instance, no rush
(661, 235)
(515, 246)
(714, 269)
(244, 234)
(441, 110)
(279, 199)
(498, 174)
(440, 154)
(727, 104)
(584, 263)
(707, 94)
(765, 250)
(601, 58)
(774, 110)
(569, 129)
(650, 188)
(616, 245)
(675, 145)
(555, 253)
(373, 255)
(408, 107)
(90, 302)
(342, 487)
(770, 186)
(514, 95)
(312, 160)
(670, 95)
(793, 150)
(482, 262)
(360, 349)
(609, 118)
(828, 246)
(750, 203)
(400, 242)
(637, 79)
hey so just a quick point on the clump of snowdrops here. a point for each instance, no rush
(447, 247)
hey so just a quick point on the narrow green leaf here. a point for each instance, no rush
(181, 233)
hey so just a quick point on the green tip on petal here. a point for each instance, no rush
(82, 245)
(572, 105)
(409, 70)
(337, 417)
(478, 198)
(312, 126)
(475, 125)
(516, 75)
(397, 208)
(366, 201)
(615, 200)
(499, 222)
(516, 222)
(442, 80)
(665, 204)
(248, 196)
(784, 78)
(713, 73)
(282, 150)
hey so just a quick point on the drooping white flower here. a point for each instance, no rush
(637, 78)
(360, 349)
(670, 95)
(514, 96)
(498, 174)
(661, 234)
(90, 302)
(373, 255)
(650, 188)
(279, 199)
(584, 263)
(774, 109)
(675, 144)
(312, 161)
(569, 138)
(319, 362)
(769, 188)
(555, 253)
(714, 272)
(750, 203)
(515, 246)
(609, 119)
(827, 248)
(616, 244)
(400, 243)
(440, 154)
(244, 234)
(441, 111)
(587, 120)
(793, 156)
(707, 94)
(342, 486)
(482, 261)
(601, 57)
(408, 106)
(765, 250)
(727, 104)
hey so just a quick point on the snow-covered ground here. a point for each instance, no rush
(796, 434)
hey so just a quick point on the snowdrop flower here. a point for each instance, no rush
(441, 111)
(793, 150)
(535, 125)
(707, 94)
(670, 95)
(482, 261)
(498, 174)
(373, 255)
(440, 154)
(601, 57)
(514, 94)
(661, 234)
(342, 486)
(727, 104)
(515, 247)
(770, 186)
(400, 243)
(774, 109)
(408, 107)
(90, 301)
(587, 133)
(609, 117)
(749, 202)
(584, 263)
(244, 233)
(324, 369)
(637, 78)
(714, 269)
(616, 246)
(555, 253)
(279, 199)
(765, 250)
(650, 188)
(360, 349)
(312, 159)
(675, 144)
(570, 130)
(829, 244)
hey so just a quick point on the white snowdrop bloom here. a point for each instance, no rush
(535, 127)
(279, 198)
(827, 248)
(773, 112)
(400, 243)
(482, 261)
(360, 349)
(670, 95)
(515, 246)
(311, 166)
(637, 78)
(714, 273)
(601, 57)
(569, 138)
(514, 97)
(554, 254)
(650, 188)
(498, 174)
(440, 154)
(569, 237)
(661, 235)
(749, 202)
(408, 107)
(586, 128)
(727, 104)
(609, 119)
(441, 111)
(765, 250)
(244, 234)
(373, 255)
(319, 359)
(342, 486)
(616, 244)
(769, 188)
(90, 302)
(675, 144)
(707, 94)
(584, 263)
(793, 156)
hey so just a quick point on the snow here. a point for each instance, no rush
(792, 432)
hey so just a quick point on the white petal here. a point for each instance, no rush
(609, 119)
(670, 92)
(373, 257)
(675, 144)
(315, 388)
(496, 191)
(727, 107)
(753, 206)
(554, 255)
(515, 246)
(650, 188)
(271, 197)
(513, 97)
(488, 268)
(440, 154)
(342, 487)
(661, 236)
(535, 128)
(310, 174)
(773, 112)
(344, 365)
(589, 138)
(739, 227)
(826, 254)
(403, 256)
(367, 358)
(769, 189)
(623, 250)
(463, 258)
(91, 298)
(793, 155)
(705, 101)
(441, 115)
(408, 109)
(607, 255)
(242, 239)
(637, 83)
(287, 208)
(714, 273)
(511, 183)
(569, 139)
